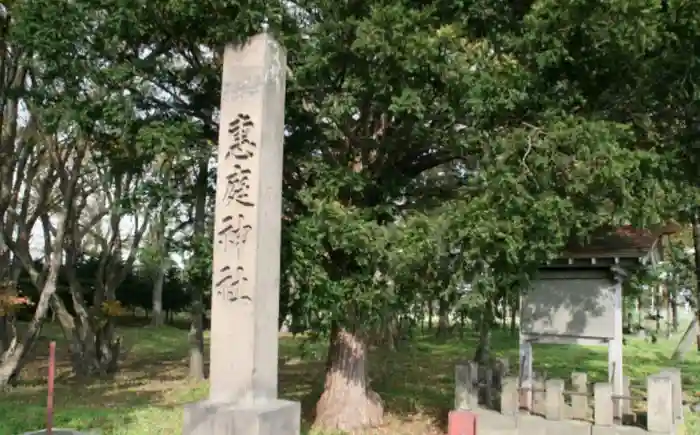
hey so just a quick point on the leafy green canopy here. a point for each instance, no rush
(428, 142)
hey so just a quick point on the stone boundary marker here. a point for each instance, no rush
(246, 249)
(568, 408)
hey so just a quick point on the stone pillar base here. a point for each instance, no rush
(273, 417)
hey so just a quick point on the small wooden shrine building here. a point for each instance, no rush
(577, 299)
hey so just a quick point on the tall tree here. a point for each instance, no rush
(382, 93)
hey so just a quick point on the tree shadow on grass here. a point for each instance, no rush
(150, 376)
(105, 405)
(159, 367)
(302, 381)
(23, 418)
(97, 393)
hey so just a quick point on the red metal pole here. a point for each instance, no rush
(49, 400)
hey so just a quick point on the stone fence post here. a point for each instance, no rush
(510, 396)
(579, 402)
(664, 404)
(466, 385)
(677, 381)
(660, 406)
(602, 404)
(554, 399)
(476, 384)
(539, 396)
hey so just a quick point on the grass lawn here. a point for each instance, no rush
(147, 395)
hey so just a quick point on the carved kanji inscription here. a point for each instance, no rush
(241, 148)
(230, 284)
(238, 187)
(234, 232)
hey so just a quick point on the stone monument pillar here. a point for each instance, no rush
(246, 266)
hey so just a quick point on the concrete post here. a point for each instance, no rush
(660, 418)
(554, 399)
(246, 250)
(602, 403)
(579, 403)
(466, 385)
(677, 381)
(509, 396)
(538, 395)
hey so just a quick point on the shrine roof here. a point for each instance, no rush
(622, 242)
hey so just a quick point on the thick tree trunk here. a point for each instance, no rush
(91, 336)
(93, 348)
(77, 331)
(347, 402)
(483, 349)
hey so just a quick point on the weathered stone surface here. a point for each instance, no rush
(579, 403)
(466, 385)
(539, 395)
(660, 418)
(271, 417)
(509, 397)
(677, 381)
(248, 224)
(554, 399)
(247, 238)
(602, 403)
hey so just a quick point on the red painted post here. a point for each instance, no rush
(49, 399)
(461, 422)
